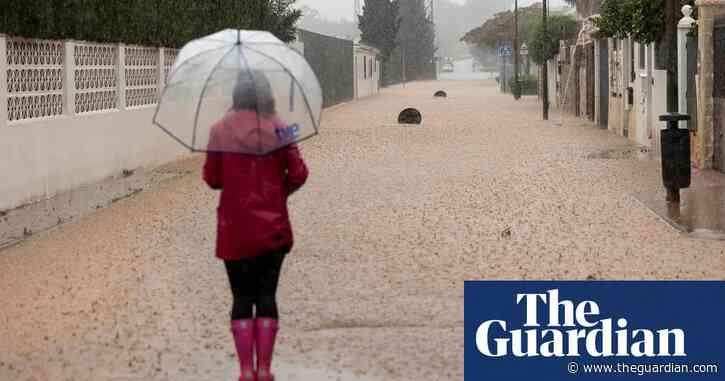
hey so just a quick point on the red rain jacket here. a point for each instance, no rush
(252, 217)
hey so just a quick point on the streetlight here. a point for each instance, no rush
(516, 89)
(545, 68)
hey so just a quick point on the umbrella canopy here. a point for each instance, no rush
(242, 92)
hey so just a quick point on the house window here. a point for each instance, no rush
(365, 68)
(642, 54)
(371, 68)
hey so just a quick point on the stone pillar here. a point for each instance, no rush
(3, 82)
(69, 78)
(683, 29)
(708, 11)
(121, 77)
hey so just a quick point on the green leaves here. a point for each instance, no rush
(543, 47)
(379, 25)
(499, 30)
(416, 38)
(642, 20)
(169, 23)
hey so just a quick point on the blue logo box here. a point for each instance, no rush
(610, 330)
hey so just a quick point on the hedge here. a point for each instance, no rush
(169, 23)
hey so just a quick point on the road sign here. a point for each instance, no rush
(504, 51)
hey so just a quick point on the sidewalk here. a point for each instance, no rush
(390, 223)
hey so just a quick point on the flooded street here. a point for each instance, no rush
(390, 223)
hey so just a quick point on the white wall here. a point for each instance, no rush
(39, 159)
(659, 105)
(45, 150)
(640, 130)
(650, 89)
(553, 73)
(366, 83)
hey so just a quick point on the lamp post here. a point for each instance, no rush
(516, 89)
(545, 68)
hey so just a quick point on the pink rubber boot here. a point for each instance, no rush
(243, 332)
(266, 334)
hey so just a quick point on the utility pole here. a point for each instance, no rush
(515, 88)
(545, 67)
(671, 11)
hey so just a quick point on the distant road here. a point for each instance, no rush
(463, 71)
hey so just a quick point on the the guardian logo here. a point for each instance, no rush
(572, 330)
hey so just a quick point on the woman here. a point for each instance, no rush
(253, 232)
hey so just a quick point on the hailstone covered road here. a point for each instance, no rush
(391, 222)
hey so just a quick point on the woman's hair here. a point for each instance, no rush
(253, 92)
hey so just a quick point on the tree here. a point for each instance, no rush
(499, 31)
(379, 25)
(642, 20)
(279, 18)
(545, 47)
(416, 39)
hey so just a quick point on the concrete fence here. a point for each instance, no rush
(331, 59)
(73, 113)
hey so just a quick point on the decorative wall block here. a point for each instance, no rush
(169, 58)
(95, 101)
(22, 52)
(95, 77)
(141, 68)
(34, 78)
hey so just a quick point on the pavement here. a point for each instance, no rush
(391, 222)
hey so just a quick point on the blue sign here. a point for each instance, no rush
(553, 331)
(504, 52)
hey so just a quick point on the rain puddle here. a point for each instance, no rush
(700, 214)
(621, 153)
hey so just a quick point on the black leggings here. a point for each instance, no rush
(254, 283)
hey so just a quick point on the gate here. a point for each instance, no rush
(692, 81)
(719, 94)
(603, 83)
(590, 81)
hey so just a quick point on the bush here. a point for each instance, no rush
(169, 23)
(527, 85)
(543, 48)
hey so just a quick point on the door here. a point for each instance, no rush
(590, 81)
(719, 95)
(603, 83)
(644, 94)
(691, 81)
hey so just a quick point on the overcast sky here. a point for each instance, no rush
(335, 9)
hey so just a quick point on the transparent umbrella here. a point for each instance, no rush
(242, 92)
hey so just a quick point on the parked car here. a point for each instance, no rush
(447, 68)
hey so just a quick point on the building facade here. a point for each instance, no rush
(366, 66)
